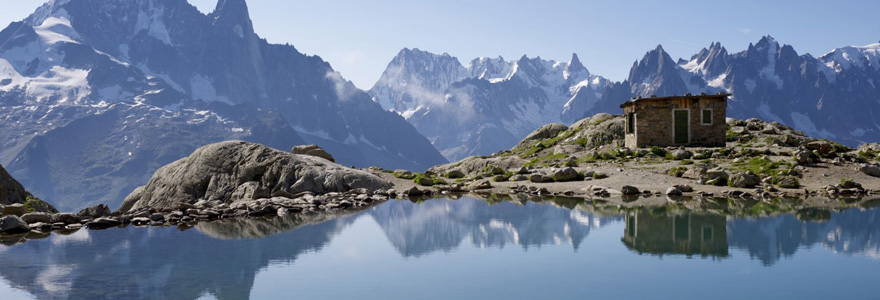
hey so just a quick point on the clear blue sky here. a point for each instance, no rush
(359, 37)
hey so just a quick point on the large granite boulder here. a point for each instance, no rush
(12, 192)
(236, 170)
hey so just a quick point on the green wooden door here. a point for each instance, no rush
(681, 126)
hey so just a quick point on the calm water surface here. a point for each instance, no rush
(462, 249)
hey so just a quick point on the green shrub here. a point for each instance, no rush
(658, 151)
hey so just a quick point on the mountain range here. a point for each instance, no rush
(490, 104)
(96, 95)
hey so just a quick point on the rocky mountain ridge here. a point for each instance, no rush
(487, 105)
(157, 79)
(484, 104)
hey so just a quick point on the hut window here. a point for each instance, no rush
(630, 123)
(707, 116)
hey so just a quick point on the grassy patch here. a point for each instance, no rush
(677, 171)
(762, 166)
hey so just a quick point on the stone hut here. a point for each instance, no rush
(689, 120)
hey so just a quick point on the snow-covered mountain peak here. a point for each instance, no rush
(844, 58)
(575, 69)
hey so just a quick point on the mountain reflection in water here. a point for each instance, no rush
(222, 258)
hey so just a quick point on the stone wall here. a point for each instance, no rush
(654, 122)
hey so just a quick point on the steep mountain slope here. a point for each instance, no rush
(833, 96)
(97, 94)
(488, 105)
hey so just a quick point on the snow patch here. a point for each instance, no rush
(202, 88)
(766, 114)
(803, 123)
(56, 29)
(153, 24)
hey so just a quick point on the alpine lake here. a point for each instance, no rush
(468, 248)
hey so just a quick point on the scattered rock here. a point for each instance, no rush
(823, 147)
(540, 178)
(871, 170)
(65, 218)
(413, 192)
(455, 174)
(715, 176)
(673, 191)
(789, 182)
(518, 178)
(565, 174)
(97, 211)
(103, 223)
(680, 154)
(695, 173)
(312, 150)
(804, 157)
(479, 185)
(37, 217)
(11, 224)
(849, 184)
(684, 188)
(424, 180)
(744, 180)
(629, 190)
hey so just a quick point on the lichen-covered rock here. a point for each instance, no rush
(218, 171)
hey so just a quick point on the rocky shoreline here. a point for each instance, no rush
(765, 165)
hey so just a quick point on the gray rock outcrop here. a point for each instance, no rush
(545, 132)
(236, 170)
(12, 192)
(313, 150)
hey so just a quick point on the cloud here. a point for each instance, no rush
(745, 30)
(345, 90)
(685, 42)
